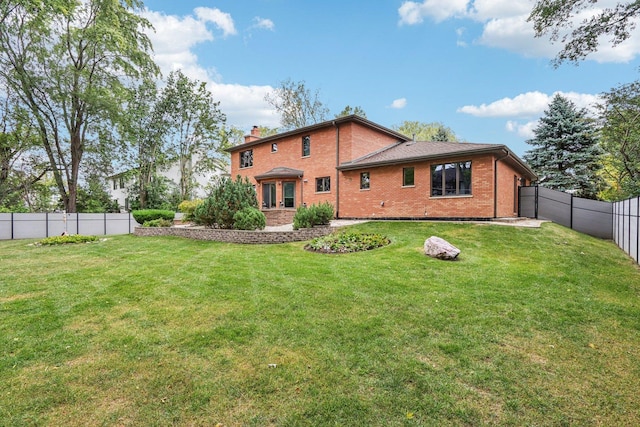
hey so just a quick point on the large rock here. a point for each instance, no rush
(439, 248)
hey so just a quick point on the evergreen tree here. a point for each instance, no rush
(566, 153)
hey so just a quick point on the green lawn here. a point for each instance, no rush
(528, 327)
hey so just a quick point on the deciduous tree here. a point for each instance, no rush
(556, 17)
(297, 105)
(67, 61)
(433, 131)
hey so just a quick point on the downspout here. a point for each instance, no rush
(495, 183)
(337, 170)
(301, 190)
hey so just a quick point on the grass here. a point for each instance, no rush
(528, 327)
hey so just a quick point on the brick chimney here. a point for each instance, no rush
(255, 135)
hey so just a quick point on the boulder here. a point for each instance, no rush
(435, 247)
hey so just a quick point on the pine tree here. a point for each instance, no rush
(566, 153)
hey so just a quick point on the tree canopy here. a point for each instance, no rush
(620, 115)
(566, 153)
(66, 62)
(555, 17)
(433, 131)
(348, 110)
(297, 105)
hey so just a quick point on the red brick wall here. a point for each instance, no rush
(507, 193)
(355, 141)
(415, 201)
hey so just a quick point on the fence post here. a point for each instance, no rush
(535, 201)
(105, 223)
(46, 224)
(11, 225)
(571, 213)
(77, 222)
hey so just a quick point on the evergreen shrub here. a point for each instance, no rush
(307, 217)
(144, 215)
(227, 198)
(249, 219)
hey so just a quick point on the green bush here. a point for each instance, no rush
(227, 198)
(160, 222)
(307, 217)
(188, 207)
(346, 242)
(249, 219)
(69, 238)
(146, 215)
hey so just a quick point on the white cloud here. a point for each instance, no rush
(399, 103)
(524, 130)
(263, 23)
(173, 42)
(504, 26)
(412, 13)
(530, 104)
(221, 19)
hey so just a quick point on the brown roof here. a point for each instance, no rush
(411, 151)
(280, 172)
(328, 123)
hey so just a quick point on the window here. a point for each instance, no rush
(306, 146)
(115, 184)
(323, 185)
(246, 159)
(274, 147)
(122, 182)
(407, 177)
(451, 179)
(288, 194)
(364, 181)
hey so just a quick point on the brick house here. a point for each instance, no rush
(368, 171)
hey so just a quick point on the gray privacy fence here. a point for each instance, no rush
(591, 217)
(40, 225)
(626, 226)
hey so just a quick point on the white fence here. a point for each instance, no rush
(40, 225)
(626, 226)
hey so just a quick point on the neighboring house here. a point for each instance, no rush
(118, 183)
(368, 171)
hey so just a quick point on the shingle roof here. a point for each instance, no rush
(404, 152)
(280, 172)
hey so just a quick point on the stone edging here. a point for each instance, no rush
(236, 236)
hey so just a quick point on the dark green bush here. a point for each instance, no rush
(249, 219)
(307, 217)
(160, 222)
(145, 215)
(228, 197)
(69, 238)
(346, 242)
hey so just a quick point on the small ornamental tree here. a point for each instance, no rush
(227, 198)
(566, 152)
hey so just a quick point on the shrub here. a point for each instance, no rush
(160, 222)
(69, 238)
(346, 242)
(188, 207)
(227, 198)
(307, 217)
(249, 219)
(145, 215)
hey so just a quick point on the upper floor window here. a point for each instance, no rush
(122, 182)
(323, 185)
(246, 159)
(408, 177)
(451, 179)
(364, 180)
(115, 184)
(274, 147)
(306, 146)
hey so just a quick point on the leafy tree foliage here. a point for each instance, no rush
(555, 17)
(297, 105)
(433, 131)
(196, 137)
(358, 111)
(94, 198)
(66, 61)
(620, 114)
(566, 153)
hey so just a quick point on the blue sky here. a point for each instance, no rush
(473, 65)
